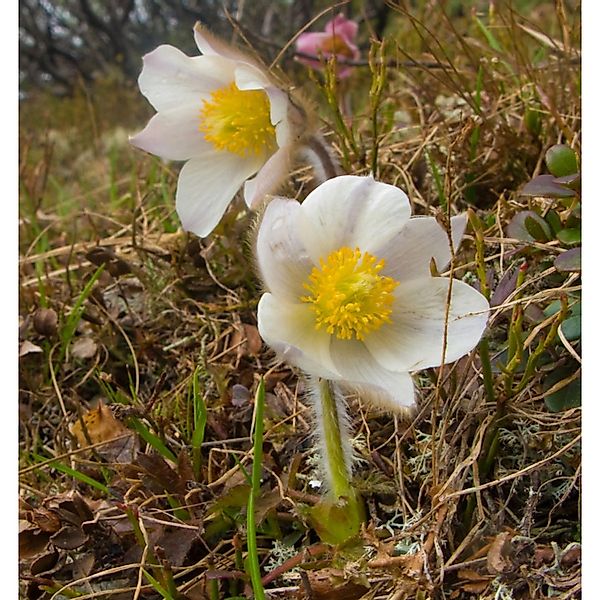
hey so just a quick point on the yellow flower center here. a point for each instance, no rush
(238, 121)
(348, 295)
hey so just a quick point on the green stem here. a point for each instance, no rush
(334, 455)
(252, 562)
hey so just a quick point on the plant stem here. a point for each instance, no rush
(333, 451)
(252, 560)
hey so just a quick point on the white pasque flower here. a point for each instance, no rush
(222, 114)
(350, 295)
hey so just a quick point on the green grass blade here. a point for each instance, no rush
(68, 330)
(151, 439)
(200, 418)
(156, 585)
(75, 474)
(252, 563)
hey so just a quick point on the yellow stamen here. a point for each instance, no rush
(238, 121)
(348, 295)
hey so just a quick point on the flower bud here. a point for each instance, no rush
(45, 321)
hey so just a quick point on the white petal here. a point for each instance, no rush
(279, 115)
(268, 178)
(408, 254)
(352, 211)
(361, 372)
(414, 340)
(206, 186)
(169, 78)
(248, 77)
(211, 45)
(173, 134)
(282, 259)
(289, 329)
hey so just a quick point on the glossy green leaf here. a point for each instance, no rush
(518, 229)
(569, 236)
(553, 219)
(571, 328)
(565, 398)
(561, 160)
(535, 229)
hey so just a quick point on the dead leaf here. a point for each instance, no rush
(100, 424)
(160, 475)
(44, 563)
(28, 348)
(69, 538)
(177, 543)
(83, 566)
(84, 347)
(247, 340)
(498, 557)
(329, 584)
(32, 541)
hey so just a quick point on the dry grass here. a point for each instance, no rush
(476, 497)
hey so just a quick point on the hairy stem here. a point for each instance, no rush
(333, 431)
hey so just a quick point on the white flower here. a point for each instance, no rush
(350, 295)
(221, 113)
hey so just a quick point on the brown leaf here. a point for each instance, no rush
(247, 340)
(177, 543)
(161, 473)
(28, 348)
(32, 541)
(100, 424)
(122, 450)
(83, 566)
(44, 563)
(84, 347)
(498, 558)
(475, 587)
(70, 507)
(328, 584)
(69, 538)
(46, 520)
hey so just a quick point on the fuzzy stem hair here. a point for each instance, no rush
(333, 437)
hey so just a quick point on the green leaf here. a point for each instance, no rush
(561, 160)
(571, 327)
(569, 236)
(553, 219)
(253, 560)
(75, 474)
(534, 227)
(518, 229)
(565, 398)
(336, 522)
(141, 429)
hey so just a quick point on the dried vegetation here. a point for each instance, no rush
(140, 356)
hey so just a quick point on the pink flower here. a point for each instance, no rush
(337, 40)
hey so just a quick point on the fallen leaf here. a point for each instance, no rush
(44, 563)
(28, 348)
(84, 347)
(69, 538)
(329, 584)
(498, 557)
(32, 541)
(247, 340)
(100, 424)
